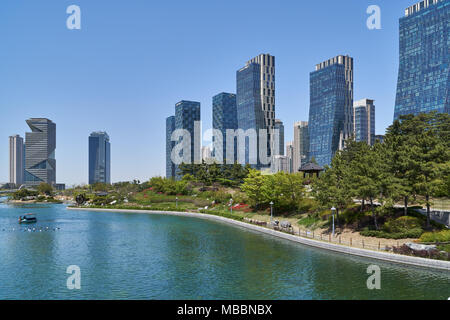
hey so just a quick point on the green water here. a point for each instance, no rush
(139, 256)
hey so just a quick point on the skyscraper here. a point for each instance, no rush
(300, 145)
(256, 103)
(364, 121)
(279, 135)
(266, 64)
(331, 108)
(187, 117)
(16, 160)
(170, 128)
(250, 114)
(40, 146)
(290, 155)
(99, 158)
(224, 118)
(424, 69)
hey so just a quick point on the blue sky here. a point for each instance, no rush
(133, 60)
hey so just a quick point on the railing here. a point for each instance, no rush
(375, 244)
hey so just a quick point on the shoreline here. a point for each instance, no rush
(365, 253)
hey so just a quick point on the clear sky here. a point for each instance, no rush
(133, 60)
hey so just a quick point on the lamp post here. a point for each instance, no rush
(176, 202)
(271, 212)
(333, 210)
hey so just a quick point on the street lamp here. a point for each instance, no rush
(333, 211)
(271, 212)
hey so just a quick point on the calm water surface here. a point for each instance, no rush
(139, 256)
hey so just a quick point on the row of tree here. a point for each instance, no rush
(413, 163)
(209, 173)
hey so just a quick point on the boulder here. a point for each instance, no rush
(420, 247)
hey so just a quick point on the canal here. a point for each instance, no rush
(140, 256)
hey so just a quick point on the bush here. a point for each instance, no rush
(413, 233)
(402, 224)
(441, 236)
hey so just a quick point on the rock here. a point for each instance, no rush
(286, 224)
(420, 247)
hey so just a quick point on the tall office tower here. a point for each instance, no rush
(265, 92)
(424, 69)
(279, 127)
(331, 108)
(206, 153)
(16, 160)
(300, 145)
(250, 114)
(170, 128)
(40, 146)
(364, 121)
(280, 164)
(290, 155)
(187, 117)
(224, 118)
(99, 158)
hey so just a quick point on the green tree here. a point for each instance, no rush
(429, 154)
(45, 189)
(333, 188)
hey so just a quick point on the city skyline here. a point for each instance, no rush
(291, 90)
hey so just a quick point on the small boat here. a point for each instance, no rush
(28, 218)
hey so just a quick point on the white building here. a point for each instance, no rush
(16, 160)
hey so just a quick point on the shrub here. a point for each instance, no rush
(441, 236)
(413, 233)
(402, 224)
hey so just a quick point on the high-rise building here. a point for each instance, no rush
(170, 128)
(280, 164)
(364, 121)
(40, 146)
(249, 111)
(279, 136)
(290, 155)
(331, 108)
(16, 160)
(266, 64)
(224, 118)
(99, 158)
(300, 145)
(206, 153)
(424, 69)
(187, 117)
(256, 103)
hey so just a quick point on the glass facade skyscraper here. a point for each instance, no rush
(99, 158)
(424, 69)
(364, 121)
(331, 108)
(170, 128)
(224, 117)
(40, 146)
(250, 114)
(187, 117)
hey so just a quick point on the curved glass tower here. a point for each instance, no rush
(424, 70)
